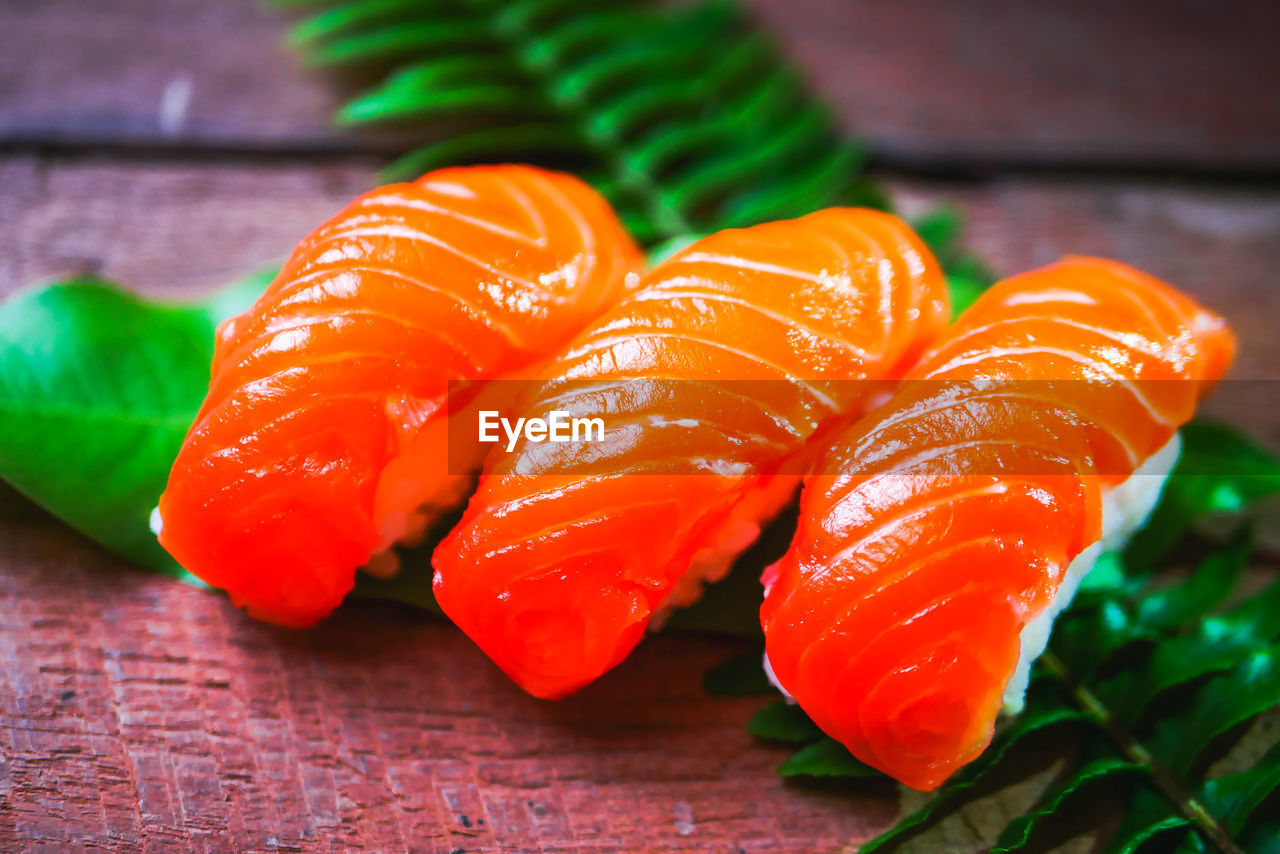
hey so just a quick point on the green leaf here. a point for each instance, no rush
(1233, 799)
(1217, 643)
(682, 139)
(1219, 471)
(1149, 815)
(1035, 719)
(1091, 635)
(783, 721)
(412, 584)
(495, 145)
(1250, 688)
(347, 18)
(394, 104)
(739, 676)
(730, 607)
(1019, 832)
(940, 229)
(1210, 584)
(667, 248)
(825, 758)
(397, 42)
(1107, 577)
(1132, 842)
(964, 293)
(97, 390)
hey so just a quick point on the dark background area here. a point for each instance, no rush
(175, 144)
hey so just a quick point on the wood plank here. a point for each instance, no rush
(137, 713)
(103, 71)
(168, 230)
(1146, 83)
(1151, 81)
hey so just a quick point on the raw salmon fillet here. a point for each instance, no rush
(323, 438)
(934, 530)
(712, 378)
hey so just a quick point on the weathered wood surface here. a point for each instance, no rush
(139, 713)
(1147, 82)
(1140, 83)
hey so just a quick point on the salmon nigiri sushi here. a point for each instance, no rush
(939, 537)
(712, 378)
(322, 439)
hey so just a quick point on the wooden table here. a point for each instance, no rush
(138, 713)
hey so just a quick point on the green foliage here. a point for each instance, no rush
(97, 390)
(1131, 639)
(825, 758)
(968, 277)
(785, 722)
(681, 139)
(738, 676)
(1221, 471)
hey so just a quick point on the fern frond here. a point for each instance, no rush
(681, 138)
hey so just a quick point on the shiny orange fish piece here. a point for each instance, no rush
(937, 528)
(322, 439)
(712, 378)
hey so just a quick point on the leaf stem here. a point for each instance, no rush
(1164, 779)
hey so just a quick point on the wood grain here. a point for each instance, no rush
(166, 229)
(1145, 82)
(137, 713)
(1140, 83)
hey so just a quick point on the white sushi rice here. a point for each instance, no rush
(1125, 509)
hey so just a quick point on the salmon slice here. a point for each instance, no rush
(711, 379)
(323, 438)
(939, 528)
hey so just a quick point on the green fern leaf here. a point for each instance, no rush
(1211, 583)
(1016, 836)
(739, 676)
(1219, 642)
(393, 43)
(393, 104)
(825, 758)
(785, 722)
(1036, 718)
(1219, 471)
(1092, 635)
(494, 145)
(1250, 688)
(1235, 798)
(680, 138)
(349, 18)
